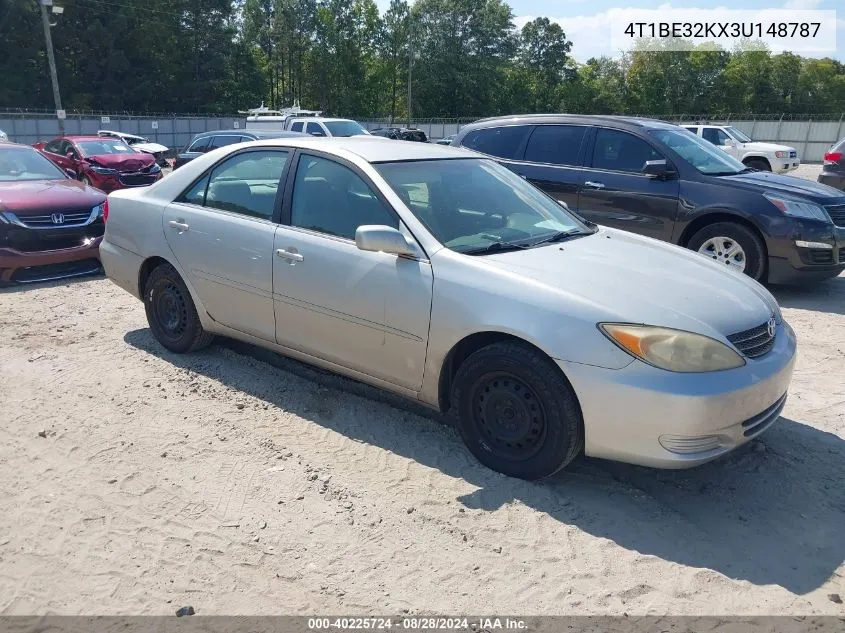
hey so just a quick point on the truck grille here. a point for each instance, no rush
(837, 214)
(755, 342)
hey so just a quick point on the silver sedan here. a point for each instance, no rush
(442, 276)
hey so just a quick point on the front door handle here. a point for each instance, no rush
(591, 184)
(291, 257)
(179, 225)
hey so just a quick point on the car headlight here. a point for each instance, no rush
(103, 171)
(672, 350)
(781, 154)
(798, 208)
(155, 168)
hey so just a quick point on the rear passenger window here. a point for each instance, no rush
(694, 130)
(555, 144)
(619, 151)
(315, 129)
(196, 194)
(503, 142)
(200, 145)
(296, 127)
(223, 141)
(245, 183)
(331, 198)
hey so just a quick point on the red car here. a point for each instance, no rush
(51, 225)
(105, 163)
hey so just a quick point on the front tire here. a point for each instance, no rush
(516, 412)
(171, 312)
(733, 245)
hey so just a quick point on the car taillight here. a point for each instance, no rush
(106, 210)
(833, 157)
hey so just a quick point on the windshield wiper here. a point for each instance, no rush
(559, 237)
(494, 247)
(732, 173)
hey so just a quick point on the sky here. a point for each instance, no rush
(587, 25)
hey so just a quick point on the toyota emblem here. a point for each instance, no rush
(771, 326)
(58, 218)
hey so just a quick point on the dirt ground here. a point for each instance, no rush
(134, 481)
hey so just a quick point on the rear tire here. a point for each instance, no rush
(171, 312)
(760, 164)
(516, 412)
(753, 249)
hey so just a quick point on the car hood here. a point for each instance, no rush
(123, 162)
(789, 185)
(150, 148)
(633, 279)
(757, 146)
(39, 196)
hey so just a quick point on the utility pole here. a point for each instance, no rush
(410, 64)
(53, 76)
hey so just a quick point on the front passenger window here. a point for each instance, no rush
(331, 198)
(620, 151)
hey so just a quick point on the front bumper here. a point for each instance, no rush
(27, 267)
(785, 165)
(108, 184)
(633, 414)
(789, 263)
(834, 180)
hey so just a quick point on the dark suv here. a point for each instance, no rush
(659, 180)
(207, 141)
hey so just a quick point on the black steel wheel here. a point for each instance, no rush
(516, 411)
(171, 313)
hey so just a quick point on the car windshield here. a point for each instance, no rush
(105, 146)
(17, 165)
(701, 154)
(739, 135)
(344, 128)
(477, 206)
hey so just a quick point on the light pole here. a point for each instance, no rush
(52, 60)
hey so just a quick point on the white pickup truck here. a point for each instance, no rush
(762, 156)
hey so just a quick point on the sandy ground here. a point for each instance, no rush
(136, 481)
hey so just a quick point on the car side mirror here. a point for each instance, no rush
(656, 168)
(385, 239)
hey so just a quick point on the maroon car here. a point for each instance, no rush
(105, 163)
(51, 225)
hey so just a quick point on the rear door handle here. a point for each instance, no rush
(590, 184)
(291, 257)
(179, 225)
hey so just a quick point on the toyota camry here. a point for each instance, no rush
(438, 274)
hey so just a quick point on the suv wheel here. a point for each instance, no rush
(760, 164)
(516, 411)
(733, 245)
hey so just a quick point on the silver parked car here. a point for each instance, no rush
(440, 275)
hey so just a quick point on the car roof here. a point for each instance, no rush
(259, 134)
(119, 133)
(320, 118)
(588, 119)
(88, 137)
(12, 145)
(375, 149)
